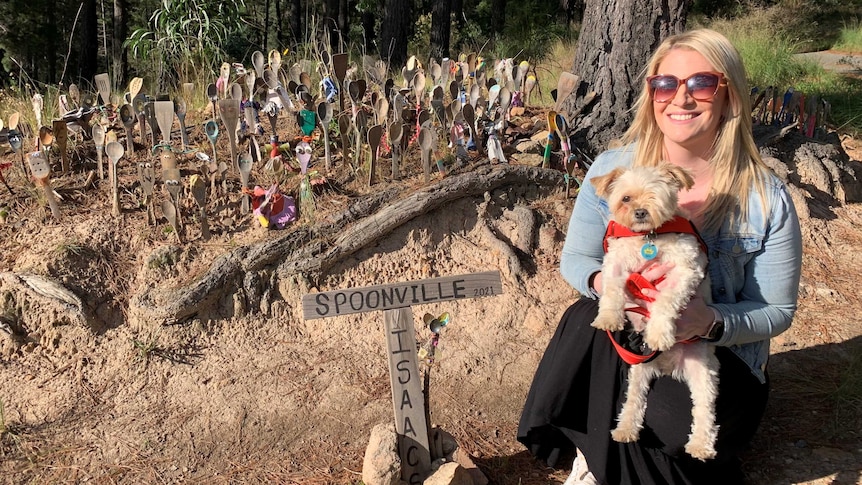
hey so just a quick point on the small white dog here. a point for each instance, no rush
(646, 225)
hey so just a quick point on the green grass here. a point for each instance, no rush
(769, 57)
(850, 39)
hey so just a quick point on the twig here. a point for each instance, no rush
(71, 35)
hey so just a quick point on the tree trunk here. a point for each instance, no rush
(440, 27)
(498, 17)
(297, 34)
(616, 41)
(394, 33)
(89, 54)
(369, 19)
(119, 56)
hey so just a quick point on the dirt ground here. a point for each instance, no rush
(93, 393)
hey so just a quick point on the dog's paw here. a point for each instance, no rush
(700, 449)
(625, 434)
(609, 321)
(658, 340)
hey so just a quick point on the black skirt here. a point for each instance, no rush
(579, 388)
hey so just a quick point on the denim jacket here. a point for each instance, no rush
(754, 268)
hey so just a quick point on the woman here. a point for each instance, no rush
(694, 112)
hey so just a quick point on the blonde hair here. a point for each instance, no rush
(736, 162)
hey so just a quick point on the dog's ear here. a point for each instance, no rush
(680, 175)
(603, 183)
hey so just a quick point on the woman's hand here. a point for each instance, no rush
(694, 320)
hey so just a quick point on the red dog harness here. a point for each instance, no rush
(636, 282)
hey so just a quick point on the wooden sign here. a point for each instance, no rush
(400, 295)
(396, 299)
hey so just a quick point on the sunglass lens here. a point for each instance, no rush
(663, 87)
(702, 86)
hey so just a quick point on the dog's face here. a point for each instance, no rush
(643, 198)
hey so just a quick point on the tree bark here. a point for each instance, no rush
(394, 32)
(616, 41)
(89, 55)
(440, 28)
(119, 33)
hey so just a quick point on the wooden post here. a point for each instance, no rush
(395, 301)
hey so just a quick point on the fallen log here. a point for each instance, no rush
(311, 251)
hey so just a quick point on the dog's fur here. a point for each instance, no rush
(629, 192)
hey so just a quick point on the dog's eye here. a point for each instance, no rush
(626, 199)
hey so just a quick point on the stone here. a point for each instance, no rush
(450, 474)
(382, 465)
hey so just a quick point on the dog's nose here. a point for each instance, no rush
(641, 214)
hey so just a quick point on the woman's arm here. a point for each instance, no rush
(582, 252)
(767, 302)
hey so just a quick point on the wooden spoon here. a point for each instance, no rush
(99, 140)
(165, 118)
(396, 130)
(128, 120)
(135, 87)
(199, 192)
(115, 151)
(274, 60)
(425, 140)
(244, 164)
(147, 177)
(375, 134)
(229, 110)
(170, 212)
(324, 116)
(41, 171)
(61, 136)
(180, 111)
(212, 94)
(258, 60)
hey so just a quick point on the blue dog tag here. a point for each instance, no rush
(649, 251)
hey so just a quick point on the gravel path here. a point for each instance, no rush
(843, 62)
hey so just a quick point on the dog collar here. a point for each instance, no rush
(678, 224)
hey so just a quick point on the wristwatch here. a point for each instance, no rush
(716, 330)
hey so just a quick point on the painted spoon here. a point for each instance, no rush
(41, 171)
(211, 131)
